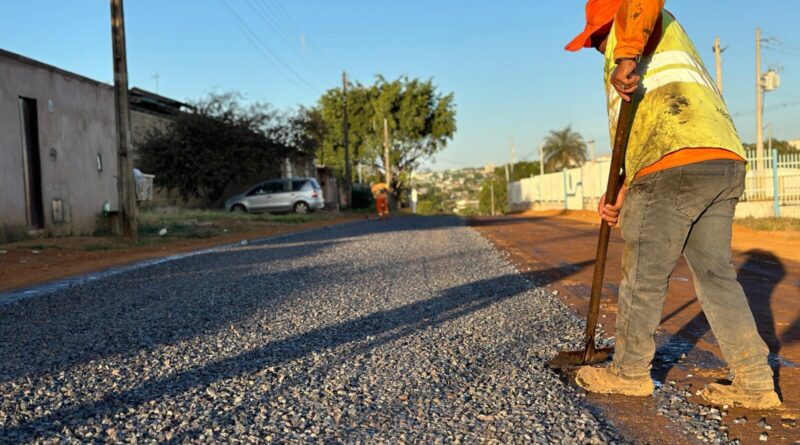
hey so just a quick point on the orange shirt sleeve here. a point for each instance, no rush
(633, 25)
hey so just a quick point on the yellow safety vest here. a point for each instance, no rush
(679, 106)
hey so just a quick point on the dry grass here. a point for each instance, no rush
(771, 224)
(189, 223)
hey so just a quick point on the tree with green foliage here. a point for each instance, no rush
(200, 153)
(564, 149)
(301, 133)
(500, 194)
(782, 146)
(421, 121)
(432, 202)
(524, 169)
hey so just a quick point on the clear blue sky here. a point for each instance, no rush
(503, 59)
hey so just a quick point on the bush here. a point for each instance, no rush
(361, 197)
(428, 208)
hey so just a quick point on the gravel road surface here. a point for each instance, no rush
(408, 330)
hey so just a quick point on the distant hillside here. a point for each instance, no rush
(450, 191)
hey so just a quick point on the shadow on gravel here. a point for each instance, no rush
(145, 308)
(373, 330)
(759, 275)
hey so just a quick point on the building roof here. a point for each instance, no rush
(140, 99)
(36, 63)
(147, 101)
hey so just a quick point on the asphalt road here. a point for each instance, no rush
(409, 330)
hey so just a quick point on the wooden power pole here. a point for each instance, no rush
(491, 192)
(386, 158)
(759, 109)
(125, 183)
(541, 159)
(718, 59)
(345, 141)
(513, 155)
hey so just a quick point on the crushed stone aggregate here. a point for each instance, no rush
(410, 330)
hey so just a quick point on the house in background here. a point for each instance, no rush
(150, 112)
(58, 160)
(58, 164)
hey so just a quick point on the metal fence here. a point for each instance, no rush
(776, 172)
(581, 187)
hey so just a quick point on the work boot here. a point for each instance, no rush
(718, 394)
(607, 381)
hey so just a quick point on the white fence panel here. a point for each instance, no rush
(581, 187)
(789, 178)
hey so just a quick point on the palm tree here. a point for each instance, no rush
(564, 149)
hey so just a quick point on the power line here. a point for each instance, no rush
(291, 26)
(283, 29)
(781, 49)
(269, 55)
(773, 107)
(781, 45)
(782, 42)
(449, 161)
(291, 21)
(273, 26)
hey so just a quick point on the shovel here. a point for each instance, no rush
(590, 355)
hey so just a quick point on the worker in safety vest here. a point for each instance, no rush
(684, 173)
(380, 192)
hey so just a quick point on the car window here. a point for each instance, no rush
(314, 184)
(298, 184)
(274, 187)
(258, 190)
(283, 186)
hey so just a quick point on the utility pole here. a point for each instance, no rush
(346, 142)
(386, 159)
(513, 156)
(759, 108)
(541, 159)
(126, 188)
(769, 139)
(491, 191)
(156, 76)
(718, 60)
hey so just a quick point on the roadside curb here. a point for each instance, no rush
(48, 287)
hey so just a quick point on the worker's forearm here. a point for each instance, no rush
(633, 25)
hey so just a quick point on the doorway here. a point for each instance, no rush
(32, 162)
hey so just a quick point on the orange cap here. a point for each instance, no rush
(599, 13)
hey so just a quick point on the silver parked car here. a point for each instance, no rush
(298, 195)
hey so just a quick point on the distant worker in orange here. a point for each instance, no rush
(380, 192)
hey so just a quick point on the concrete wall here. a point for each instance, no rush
(765, 209)
(142, 123)
(76, 122)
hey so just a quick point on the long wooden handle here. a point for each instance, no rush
(617, 159)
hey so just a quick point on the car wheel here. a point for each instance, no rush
(238, 208)
(301, 208)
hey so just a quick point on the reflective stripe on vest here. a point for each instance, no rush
(679, 105)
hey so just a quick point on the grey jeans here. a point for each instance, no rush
(686, 210)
